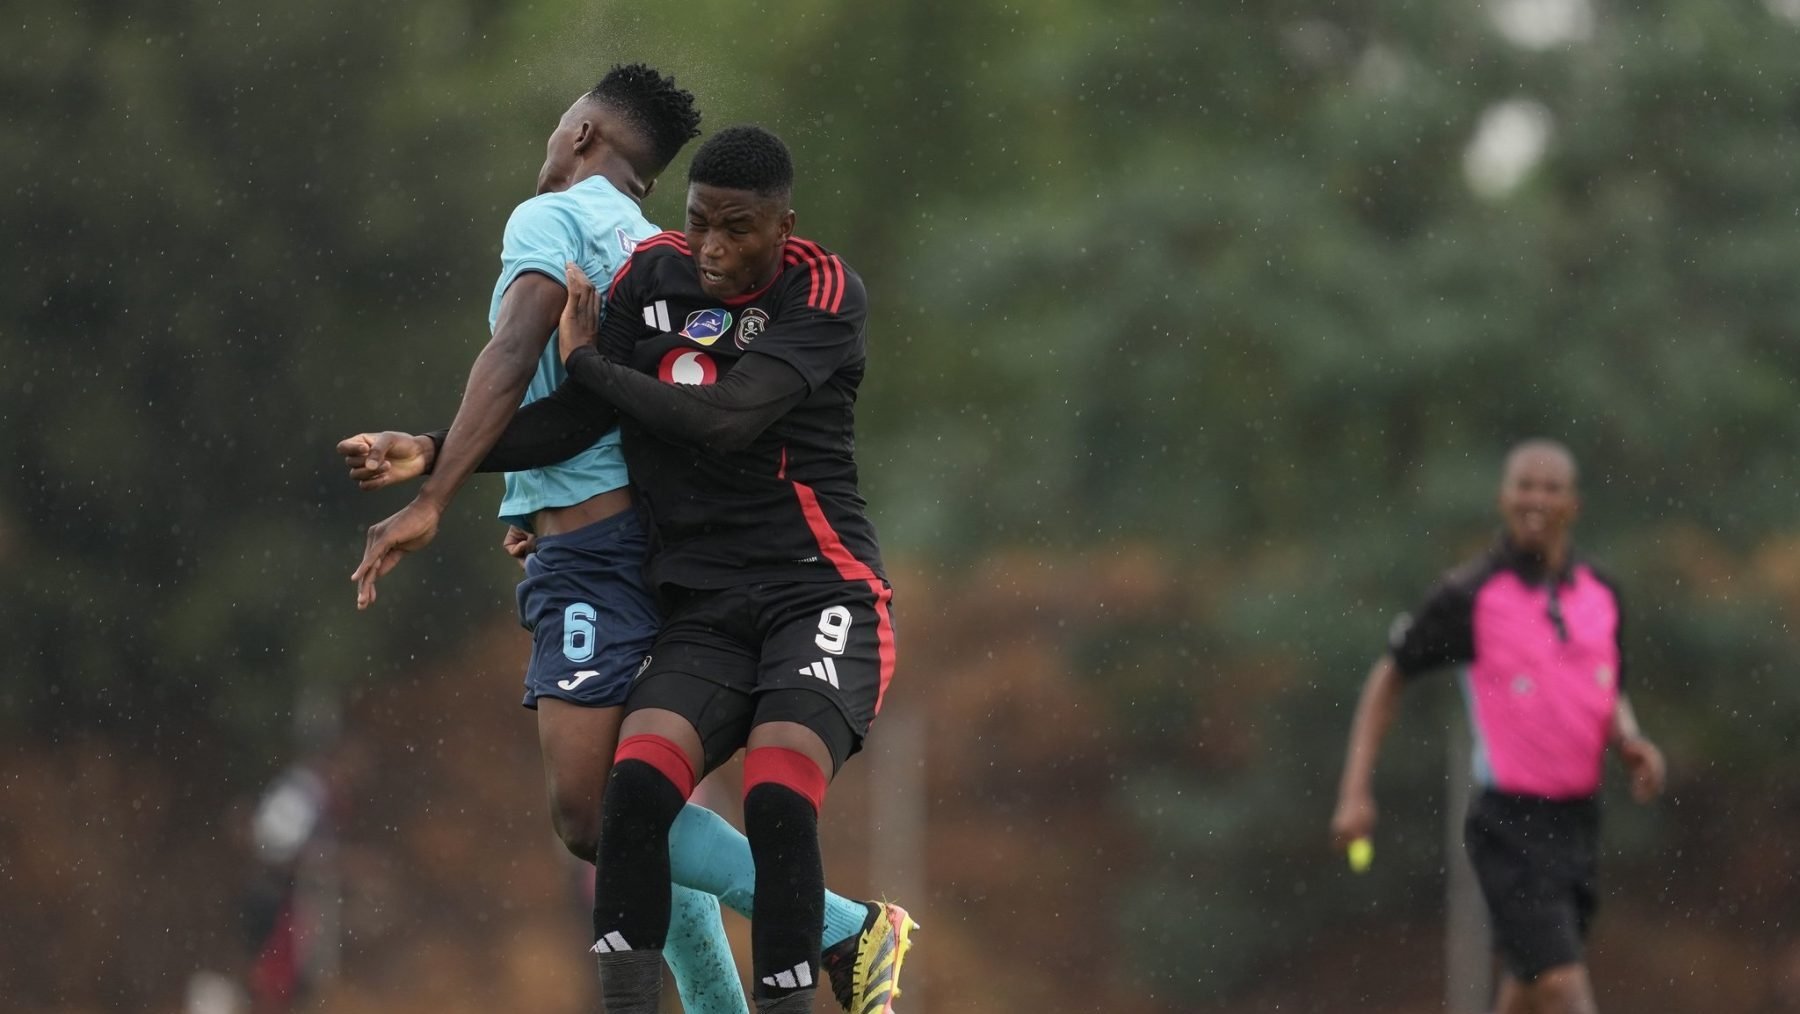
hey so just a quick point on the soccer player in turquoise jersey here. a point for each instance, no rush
(574, 524)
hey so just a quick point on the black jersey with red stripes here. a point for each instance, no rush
(787, 507)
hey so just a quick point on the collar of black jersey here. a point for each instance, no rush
(1528, 564)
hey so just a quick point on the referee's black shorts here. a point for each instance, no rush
(1536, 861)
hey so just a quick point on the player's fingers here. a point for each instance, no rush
(379, 448)
(582, 302)
(373, 567)
(356, 446)
(577, 278)
(375, 546)
(389, 562)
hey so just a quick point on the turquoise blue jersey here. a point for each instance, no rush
(596, 226)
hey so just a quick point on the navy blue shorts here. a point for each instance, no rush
(592, 620)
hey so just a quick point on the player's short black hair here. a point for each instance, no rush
(744, 157)
(663, 113)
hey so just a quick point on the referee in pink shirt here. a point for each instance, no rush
(1535, 631)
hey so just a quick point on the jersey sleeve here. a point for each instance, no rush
(540, 236)
(820, 327)
(1612, 586)
(722, 417)
(621, 315)
(549, 430)
(1440, 633)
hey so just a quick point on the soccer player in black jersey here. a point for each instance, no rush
(730, 356)
(812, 319)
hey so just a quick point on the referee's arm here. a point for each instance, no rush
(1641, 757)
(1375, 709)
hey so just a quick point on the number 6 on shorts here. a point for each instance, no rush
(578, 632)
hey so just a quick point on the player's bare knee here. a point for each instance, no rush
(578, 825)
(1562, 990)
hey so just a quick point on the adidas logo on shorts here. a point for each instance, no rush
(823, 670)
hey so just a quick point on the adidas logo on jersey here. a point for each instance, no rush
(656, 315)
(823, 669)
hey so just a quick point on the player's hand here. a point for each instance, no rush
(411, 529)
(518, 543)
(581, 312)
(379, 460)
(1354, 818)
(1645, 762)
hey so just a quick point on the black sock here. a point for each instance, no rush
(631, 880)
(631, 982)
(783, 829)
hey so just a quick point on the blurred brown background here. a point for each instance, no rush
(1198, 334)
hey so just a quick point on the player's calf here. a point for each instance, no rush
(649, 784)
(782, 793)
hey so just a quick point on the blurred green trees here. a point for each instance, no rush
(1210, 280)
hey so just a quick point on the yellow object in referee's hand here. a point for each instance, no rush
(1361, 853)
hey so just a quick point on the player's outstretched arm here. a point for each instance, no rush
(387, 458)
(1641, 757)
(553, 428)
(722, 417)
(528, 313)
(1355, 815)
(411, 528)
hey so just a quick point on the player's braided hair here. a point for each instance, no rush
(654, 106)
(744, 158)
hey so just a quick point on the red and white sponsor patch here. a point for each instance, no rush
(687, 366)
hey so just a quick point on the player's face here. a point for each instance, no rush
(562, 153)
(737, 238)
(1538, 502)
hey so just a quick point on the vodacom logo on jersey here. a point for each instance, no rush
(687, 366)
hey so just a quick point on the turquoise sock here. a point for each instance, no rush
(700, 957)
(709, 855)
(843, 919)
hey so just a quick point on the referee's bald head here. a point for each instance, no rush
(1542, 449)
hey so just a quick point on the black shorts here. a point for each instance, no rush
(1536, 860)
(833, 640)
